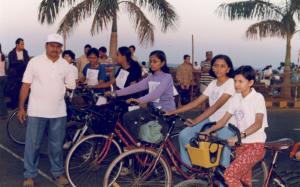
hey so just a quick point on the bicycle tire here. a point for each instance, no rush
(192, 183)
(15, 130)
(259, 174)
(294, 182)
(139, 155)
(89, 166)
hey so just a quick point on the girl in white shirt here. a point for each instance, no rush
(249, 114)
(217, 93)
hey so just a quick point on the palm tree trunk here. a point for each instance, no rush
(286, 88)
(113, 40)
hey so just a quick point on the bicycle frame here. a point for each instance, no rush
(272, 173)
(127, 139)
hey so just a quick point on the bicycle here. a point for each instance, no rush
(90, 156)
(151, 167)
(272, 179)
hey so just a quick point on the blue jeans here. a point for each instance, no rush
(187, 133)
(34, 134)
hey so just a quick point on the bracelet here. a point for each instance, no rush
(244, 134)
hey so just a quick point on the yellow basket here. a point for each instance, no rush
(207, 155)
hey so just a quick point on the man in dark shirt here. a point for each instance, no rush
(17, 62)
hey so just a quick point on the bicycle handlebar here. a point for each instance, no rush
(213, 138)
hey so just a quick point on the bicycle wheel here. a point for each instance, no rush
(192, 183)
(16, 131)
(83, 165)
(294, 182)
(285, 178)
(140, 169)
(259, 174)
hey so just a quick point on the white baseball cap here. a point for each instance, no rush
(55, 38)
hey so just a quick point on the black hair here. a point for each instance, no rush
(143, 63)
(132, 46)
(87, 46)
(70, 53)
(103, 49)
(247, 71)
(93, 51)
(162, 57)
(125, 51)
(228, 62)
(186, 56)
(1, 53)
(19, 40)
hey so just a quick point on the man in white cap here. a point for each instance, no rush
(47, 77)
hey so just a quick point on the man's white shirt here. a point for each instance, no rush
(48, 85)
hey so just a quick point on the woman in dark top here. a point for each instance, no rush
(128, 73)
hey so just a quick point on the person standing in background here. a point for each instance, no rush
(133, 55)
(184, 76)
(106, 61)
(205, 77)
(197, 66)
(17, 62)
(69, 56)
(82, 61)
(3, 109)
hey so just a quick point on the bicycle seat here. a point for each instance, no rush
(280, 144)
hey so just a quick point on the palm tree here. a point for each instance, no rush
(274, 20)
(105, 13)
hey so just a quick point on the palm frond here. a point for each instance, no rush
(164, 11)
(143, 26)
(295, 8)
(266, 28)
(49, 9)
(76, 14)
(250, 9)
(105, 12)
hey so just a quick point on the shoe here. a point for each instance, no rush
(28, 183)
(61, 180)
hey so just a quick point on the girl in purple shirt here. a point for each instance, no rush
(160, 86)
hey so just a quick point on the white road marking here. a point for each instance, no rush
(296, 129)
(21, 159)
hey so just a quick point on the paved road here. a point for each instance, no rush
(282, 123)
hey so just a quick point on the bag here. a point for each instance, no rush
(151, 132)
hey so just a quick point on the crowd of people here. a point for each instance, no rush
(45, 78)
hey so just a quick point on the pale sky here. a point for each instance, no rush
(18, 18)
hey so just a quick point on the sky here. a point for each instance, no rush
(18, 18)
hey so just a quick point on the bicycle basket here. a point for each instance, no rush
(104, 123)
(206, 155)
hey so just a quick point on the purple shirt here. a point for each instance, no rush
(163, 92)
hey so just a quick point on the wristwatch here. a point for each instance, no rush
(243, 135)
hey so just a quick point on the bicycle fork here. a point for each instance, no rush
(79, 134)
